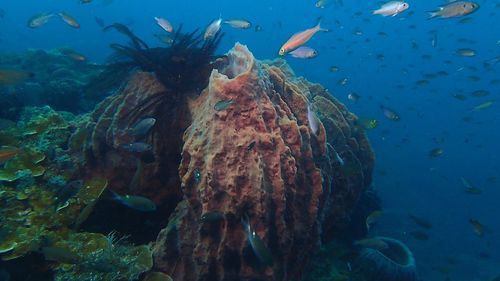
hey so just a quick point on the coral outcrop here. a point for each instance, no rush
(59, 77)
(242, 151)
(250, 151)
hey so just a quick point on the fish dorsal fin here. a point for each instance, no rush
(388, 4)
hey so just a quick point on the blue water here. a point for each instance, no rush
(406, 177)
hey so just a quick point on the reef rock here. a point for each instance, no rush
(250, 152)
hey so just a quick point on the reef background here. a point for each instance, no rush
(405, 176)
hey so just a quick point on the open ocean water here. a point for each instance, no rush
(439, 162)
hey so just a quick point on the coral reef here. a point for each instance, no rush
(239, 162)
(257, 157)
(36, 230)
(58, 81)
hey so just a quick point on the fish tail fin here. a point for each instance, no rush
(318, 25)
(322, 29)
(432, 15)
(115, 196)
(245, 221)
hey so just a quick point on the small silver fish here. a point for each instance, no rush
(392, 8)
(258, 246)
(139, 203)
(390, 114)
(353, 97)
(39, 19)
(304, 52)
(142, 127)
(223, 104)
(165, 24)
(313, 121)
(238, 23)
(212, 29)
(137, 147)
(212, 216)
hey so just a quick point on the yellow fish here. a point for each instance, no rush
(71, 21)
(454, 9)
(7, 152)
(12, 76)
(477, 227)
(372, 243)
(483, 105)
(373, 218)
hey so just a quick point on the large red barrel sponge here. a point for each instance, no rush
(250, 155)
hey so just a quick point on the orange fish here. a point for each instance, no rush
(13, 76)
(299, 39)
(7, 152)
(71, 21)
(72, 55)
